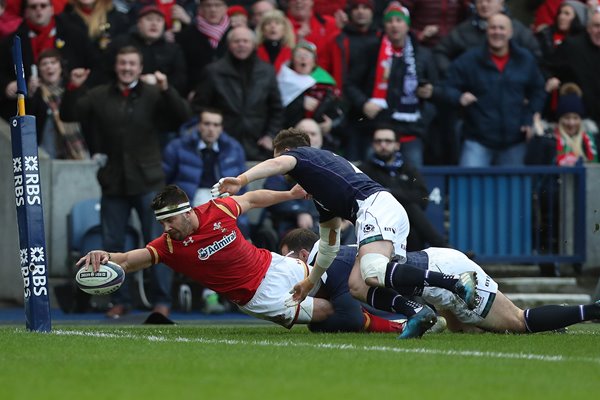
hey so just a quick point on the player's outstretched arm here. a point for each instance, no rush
(130, 261)
(275, 166)
(262, 198)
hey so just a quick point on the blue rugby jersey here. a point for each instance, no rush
(333, 181)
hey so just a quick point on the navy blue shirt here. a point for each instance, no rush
(333, 181)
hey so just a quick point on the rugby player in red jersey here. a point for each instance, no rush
(205, 244)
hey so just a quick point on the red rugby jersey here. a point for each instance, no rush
(216, 255)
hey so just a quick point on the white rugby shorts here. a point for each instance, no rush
(381, 217)
(269, 300)
(453, 262)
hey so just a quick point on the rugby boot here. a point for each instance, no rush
(466, 288)
(419, 323)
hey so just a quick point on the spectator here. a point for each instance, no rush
(9, 22)
(125, 119)
(238, 16)
(245, 89)
(308, 91)
(311, 26)
(355, 38)
(203, 155)
(197, 160)
(566, 143)
(546, 13)
(573, 144)
(157, 52)
(472, 33)
(500, 87)
(260, 8)
(384, 87)
(431, 20)
(39, 31)
(100, 23)
(177, 13)
(568, 22)
(203, 41)
(577, 60)
(61, 140)
(387, 167)
(275, 38)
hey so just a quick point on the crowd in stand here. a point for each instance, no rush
(187, 91)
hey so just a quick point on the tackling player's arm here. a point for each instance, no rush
(275, 166)
(262, 198)
(130, 261)
(329, 246)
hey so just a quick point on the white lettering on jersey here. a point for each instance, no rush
(205, 252)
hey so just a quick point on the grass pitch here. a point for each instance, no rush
(269, 362)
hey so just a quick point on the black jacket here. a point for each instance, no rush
(126, 129)
(248, 96)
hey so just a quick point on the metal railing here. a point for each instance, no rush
(532, 214)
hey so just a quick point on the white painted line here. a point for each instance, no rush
(333, 346)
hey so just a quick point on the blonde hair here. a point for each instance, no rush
(289, 38)
(96, 21)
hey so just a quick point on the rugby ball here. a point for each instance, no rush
(106, 280)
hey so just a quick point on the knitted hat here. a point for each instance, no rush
(580, 10)
(352, 4)
(569, 100)
(395, 9)
(237, 10)
(569, 103)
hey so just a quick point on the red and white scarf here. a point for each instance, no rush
(406, 108)
(214, 32)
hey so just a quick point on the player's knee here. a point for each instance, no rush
(322, 309)
(373, 267)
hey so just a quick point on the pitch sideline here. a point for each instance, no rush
(267, 343)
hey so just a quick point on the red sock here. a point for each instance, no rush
(374, 323)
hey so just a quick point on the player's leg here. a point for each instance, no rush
(420, 317)
(348, 315)
(551, 317)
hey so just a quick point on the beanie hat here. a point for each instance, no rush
(569, 100)
(580, 10)
(352, 4)
(395, 9)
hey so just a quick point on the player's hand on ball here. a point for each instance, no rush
(299, 293)
(93, 258)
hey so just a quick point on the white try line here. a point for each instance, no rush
(333, 346)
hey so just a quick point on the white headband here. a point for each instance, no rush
(169, 211)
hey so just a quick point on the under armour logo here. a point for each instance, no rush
(188, 241)
(216, 226)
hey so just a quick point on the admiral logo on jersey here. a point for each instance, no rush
(205, 252)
